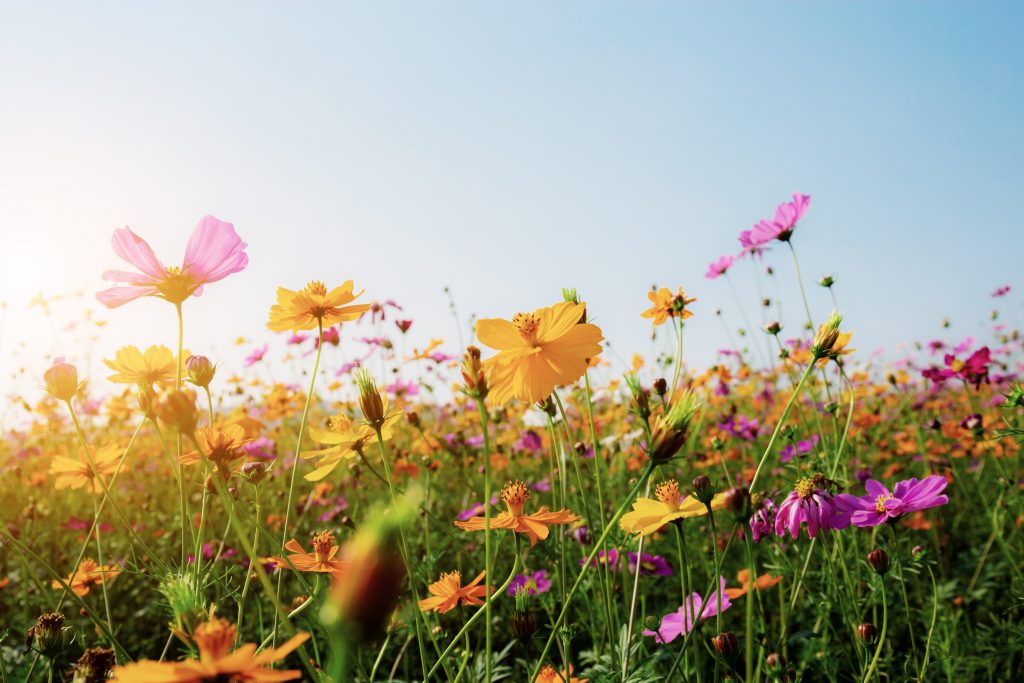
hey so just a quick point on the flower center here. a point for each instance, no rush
(176, 286)
(339, 423)
(668, 493)
(316, 288)
(215, 637)
(323, 544)
(805, 488)
(515, 494)
(880, 502)
(527, 325)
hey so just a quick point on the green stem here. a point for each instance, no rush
(781, 422)
(488, 625)
(593, 553)
(881, 636)
(295, 458)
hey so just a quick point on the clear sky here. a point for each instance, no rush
(509, 149)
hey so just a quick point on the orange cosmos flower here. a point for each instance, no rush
(665, 305)
(549, 674)
(87, 576)
(649, 515)
(746, 585)
(74, 473)
(222, 445)
(216, 662)
(314, 306)
(156, 365)
(448, 592)
(533, 525)
(321, 560)
(538, 351)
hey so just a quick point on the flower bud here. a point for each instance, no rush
(370, 401)
(726, 644)
(61, 380)
(703, 490)
(773, 327)
(660, 386)
(177, 410)
(254, 472)
(651, 623)
(524, 622)
(774, 662)
(827, 336)
(200, 370)
(673, 428)
(48, 636)
(473, 373)
(737, 501)
(867, 632)
(879, 561)
(826, 281)
(94, 666)
(413, 418)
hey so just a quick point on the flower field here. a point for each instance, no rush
(343, 506)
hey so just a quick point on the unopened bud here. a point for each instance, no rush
(61, 380)
(473, 373)
(726, 644)
(660, 386)
(867, 632)
(48, 636)
(879, 561)
(94, 666)
(177, 410)
(200, 370)
(254, 472)
(703, 490)
(370, 401)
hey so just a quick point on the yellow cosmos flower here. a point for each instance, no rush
(537, 351)
(217, 662)
(314, 306)
(665, 305)
(345, 439)
(156, 365)
(650, 515)
(222, 444)
(88, 576)
(74, 473)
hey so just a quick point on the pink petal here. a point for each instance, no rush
(127, 276)
(214, 251)
(136, 251)
(118, 296)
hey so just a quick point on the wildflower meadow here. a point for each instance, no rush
(345, 506)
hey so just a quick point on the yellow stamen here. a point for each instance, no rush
(527, 324)
(805, 488)
(323, 544)
(515, 494)
(668, 493)
(215, 638)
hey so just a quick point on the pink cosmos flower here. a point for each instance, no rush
(781, 227)
(763, 521)
(719, 267)
(680, 622)
(880, 505)
(213, 252)
(256, 356)
(1002, 291)
(809, 503)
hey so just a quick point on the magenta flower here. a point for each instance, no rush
(809, 503)
(880, 505)
(681, 622)
(1002, 291)
(800, 448)
(214, 252)
(606, 557)
(719, 267)
(781, 227)
(650, 565)
(534, 583)
(762, 522)
(973, 370)
(255, 356)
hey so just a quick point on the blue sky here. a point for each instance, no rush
(509, 149)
